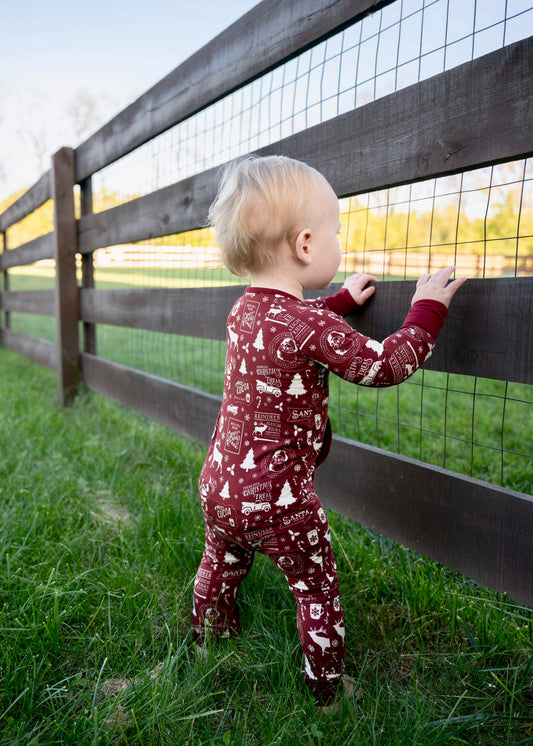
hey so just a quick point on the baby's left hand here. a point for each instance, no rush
(356, 284)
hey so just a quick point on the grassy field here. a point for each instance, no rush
(101, 534)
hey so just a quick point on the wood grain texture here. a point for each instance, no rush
(174, 209)
(195, 312)
(484, 334)
(191, 412)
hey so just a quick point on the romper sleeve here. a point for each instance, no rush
(360, 359)
(341, 303)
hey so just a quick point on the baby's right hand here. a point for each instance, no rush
(434, 287)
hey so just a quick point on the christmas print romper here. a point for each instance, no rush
(256, 487)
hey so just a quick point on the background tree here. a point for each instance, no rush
(84, 115)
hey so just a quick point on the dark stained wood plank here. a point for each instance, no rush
(39, 350)
(195, 312)
(36, 196)
(269, 34)
(440, 126)
(32, 251)
(41, 302)
(484, 334)
(476, 114)
(66, 292)
(87, 264)
(6, 321)
(475, 528)
(160, 213)
(192, 413)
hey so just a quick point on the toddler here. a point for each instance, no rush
(277, 222)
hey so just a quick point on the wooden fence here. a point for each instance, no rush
(476, 114)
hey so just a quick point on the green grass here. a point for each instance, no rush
(100, 537)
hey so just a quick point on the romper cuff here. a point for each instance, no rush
(342, 303)
(429, 314)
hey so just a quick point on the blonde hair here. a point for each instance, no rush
(260, 202)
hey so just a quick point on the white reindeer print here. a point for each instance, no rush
(323, 642)
(233, 337)
(317, 445)
(216, 458)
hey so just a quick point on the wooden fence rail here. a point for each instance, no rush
(355, 156)
(497, 346)
(272, 32)
(477, 114)
(36, 196)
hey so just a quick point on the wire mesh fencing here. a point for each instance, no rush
(404, 43)
(480, 220)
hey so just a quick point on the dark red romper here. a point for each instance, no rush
(256, 487)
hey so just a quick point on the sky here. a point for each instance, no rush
(55, 52)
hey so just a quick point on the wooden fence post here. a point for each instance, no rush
(87, 265)
(66, 292)
(7, 320)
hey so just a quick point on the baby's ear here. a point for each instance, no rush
(302, 245)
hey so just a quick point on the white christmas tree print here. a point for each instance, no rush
(242, 369)
(297, 388)
(225, 491)
(286, 498)
(248, 462)
(258, 342)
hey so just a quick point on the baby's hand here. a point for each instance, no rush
(434, 287)
(356, 286)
